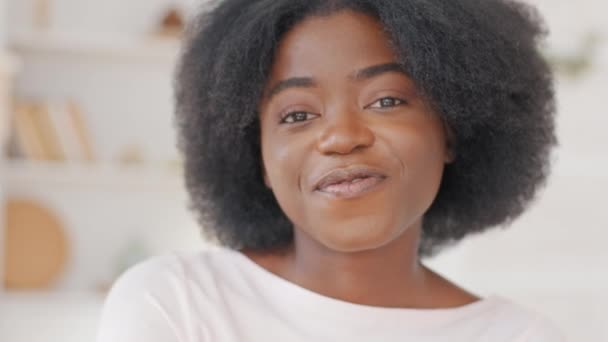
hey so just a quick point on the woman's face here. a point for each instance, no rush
(350, 151)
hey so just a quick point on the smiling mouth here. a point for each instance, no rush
(352, 188)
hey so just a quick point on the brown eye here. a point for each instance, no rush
(386, 102)
(297, 117)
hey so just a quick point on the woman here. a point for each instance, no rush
(329, 146)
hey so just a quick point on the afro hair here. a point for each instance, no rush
(476, 62)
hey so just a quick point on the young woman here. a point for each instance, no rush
(329, 146)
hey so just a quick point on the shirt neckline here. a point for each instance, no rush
(291, 298)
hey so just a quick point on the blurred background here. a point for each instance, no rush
(90, 177)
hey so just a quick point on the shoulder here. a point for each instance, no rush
(153, 276)
(525, 324)
(135, 308)
(170, 272)
(542, 329)
(140, 275)
(152, 300)
(173, 278)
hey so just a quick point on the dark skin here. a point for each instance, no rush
(348, 103)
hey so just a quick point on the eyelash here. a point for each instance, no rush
(400, 102)
(292, 115)
(286, 117)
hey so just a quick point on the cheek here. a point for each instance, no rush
(282, 163)
(421, 153)
(281, 172)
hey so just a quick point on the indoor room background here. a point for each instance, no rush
(90, 178)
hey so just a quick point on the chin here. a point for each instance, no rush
(355, 236)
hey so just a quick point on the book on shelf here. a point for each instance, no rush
(80, 128)
(50, 131)
(46, 132)
(27, 142)
(66, 141)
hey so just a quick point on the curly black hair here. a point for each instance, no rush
(477, 62)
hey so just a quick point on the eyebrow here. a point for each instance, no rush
(376, 70)
(359, 75)
(294, 82)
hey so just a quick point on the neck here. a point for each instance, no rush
(389, 276)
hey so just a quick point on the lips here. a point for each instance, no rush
(349, 182)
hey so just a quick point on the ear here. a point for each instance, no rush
(450, 155)
(450, 148)
(266, 179)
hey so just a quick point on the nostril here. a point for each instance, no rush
(345, 138)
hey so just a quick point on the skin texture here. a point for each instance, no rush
(363, 249)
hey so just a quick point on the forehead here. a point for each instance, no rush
(334, 44)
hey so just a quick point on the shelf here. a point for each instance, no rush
(103, 46)
(56, 316)
(25, 173)
(9, 63)
(50, 297)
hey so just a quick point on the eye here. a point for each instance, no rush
(294, 117)
(386, 102)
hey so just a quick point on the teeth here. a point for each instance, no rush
(352, 181)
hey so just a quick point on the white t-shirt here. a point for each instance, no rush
(220, 295)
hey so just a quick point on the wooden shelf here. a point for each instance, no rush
(56, 316)
(25, 173)
(100, 46)
(9, 63)
(37, 297)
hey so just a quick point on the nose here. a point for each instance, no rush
(344, 133)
